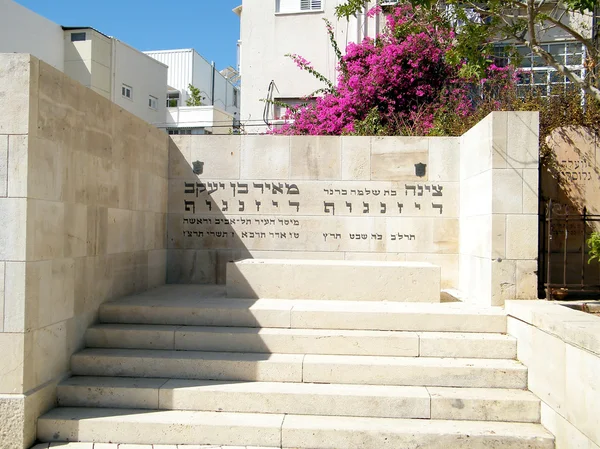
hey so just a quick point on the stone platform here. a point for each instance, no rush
(334, 280)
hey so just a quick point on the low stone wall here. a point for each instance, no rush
(83, 203)
(561, 348)
(466, 204)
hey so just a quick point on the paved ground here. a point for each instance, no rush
(133, 446)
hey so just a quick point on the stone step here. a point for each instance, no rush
(302, 341)
(195, 310)
(289, 431)
(352, 280)
(417, 371)
(301, 398)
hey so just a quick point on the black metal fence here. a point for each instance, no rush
(564, 257)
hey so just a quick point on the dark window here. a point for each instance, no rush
(76, 37)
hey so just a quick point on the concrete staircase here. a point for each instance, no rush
(188, 365)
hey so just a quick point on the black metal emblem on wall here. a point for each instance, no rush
(197, 167)
(420, 169)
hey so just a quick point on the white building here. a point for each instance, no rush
(219, 96)
(270, 29)
(106, 65)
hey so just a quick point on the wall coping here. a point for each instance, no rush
(572, 326)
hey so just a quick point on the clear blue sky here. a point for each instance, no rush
(209, 26)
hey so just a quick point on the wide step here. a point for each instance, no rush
(301, 398)
(302, 341)
(276, 430)
(418, 371)
(188, 308)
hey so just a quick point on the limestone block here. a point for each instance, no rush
(376, 281)
(356, 158)
(2, 294)
(523, 332)
(18, 163)
(475, 277)
(133, 336)
(16, 301)
(484, 404)
(330, 432)
(522, 236)
(503, 281)
(531, 191)
(315, 157)
(547, 369)
(500, 132)
(76, 230)
(444, 159)
(12, 353)
(467, 345)
(12, 418)
(583, 334)
(523, 139)
(476, 149)
(16, 74)
(191, 267)
(475, 233)
(46, 169)
(51, 284)
(157, 268)
(265, 157)
(498, 231)
(13, 222)
(527, 279)
(154, 427)
(119, 231)
(50, 356)
(220, 154)
(421, 371)
(45, 230)
(296, 341)
(112, 392)
(448, 264)
(296, 398)
(188, 365)
(180, 157)
(475, 195)
(507, 191)
(395, 158)
(582, 394)
(567, 435)
(4, 165)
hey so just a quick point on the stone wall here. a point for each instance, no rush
(466, 204)
(379, 198)
(83, 200)
(499, 208)
(561, 348)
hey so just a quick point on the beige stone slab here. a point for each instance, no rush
(322, 432)
(265, 157)
(72, 445)
(566, 434)
(523, 139)
(582, 394)
(315, 157)
(504, 280)
(521, 236)
(4, 165)
(220, 156)
(483, 404)
(523, 332)
(395, 157)
(296, 398)
(50, 354)
(456, 344)
(188, 365)
(444, 155)
(191, 311)
(18, 162)
(12, 353)
(475, 195)
(420, 371)
(170, 427)
(356, 158)
(130, 336)
(476, 150)
(45, 230)
(16, 301)
(297, 341)
(347, 280)
(507, 194)
(530, 191)
(13, 222)
(15, 74)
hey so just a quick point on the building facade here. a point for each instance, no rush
(269, 30)
(220, 97)
(102, 63)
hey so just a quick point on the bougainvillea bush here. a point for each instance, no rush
(406, 81)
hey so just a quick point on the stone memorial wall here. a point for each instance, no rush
(401, 204)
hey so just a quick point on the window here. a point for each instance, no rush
(292, 6)
(127, 91)
(152, 102)
(235, 98)
(173, 99)
(76, 37)
(537, 77)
